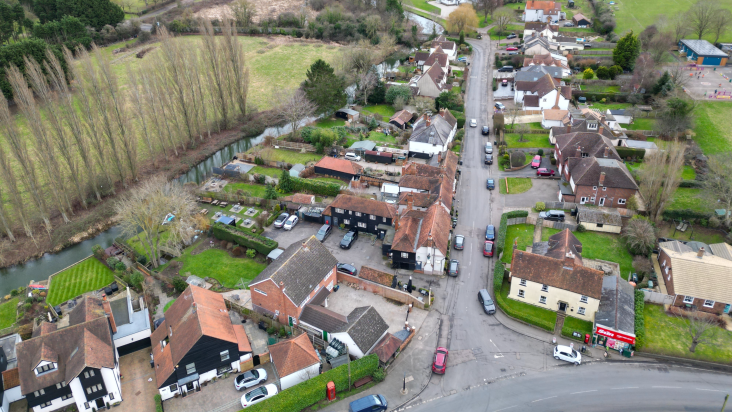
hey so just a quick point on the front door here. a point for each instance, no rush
(100, 403)
(602, 201)
(189, 386)
(726, 309)
(562, 307)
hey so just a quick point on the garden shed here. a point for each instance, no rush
(227, 220)
(606, 220)
(347, 114)
(379, 157)
(361, 147)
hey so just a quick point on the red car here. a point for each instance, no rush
(440, 363)
(511, 48)
(488, 249)
(544, 172)
(536, 163)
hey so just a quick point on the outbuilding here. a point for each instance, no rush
(580, 20)
(702, 52)
(599, 220)
(615, 319)
(295, 361)
(379, 157)
(348, 114)
(339, 168)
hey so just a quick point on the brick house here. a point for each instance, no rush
(360, 214)
(698, 280)
(305, 271)
(600, 182)
(590, 121)
(582, 145)
(543, 10)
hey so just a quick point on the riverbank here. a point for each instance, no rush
(88, 223)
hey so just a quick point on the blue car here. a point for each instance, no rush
(490, 184)
(490, 232)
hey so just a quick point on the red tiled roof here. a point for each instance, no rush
(360, 204)
(405, 238)
(555, 273)
(387, 347)
(542, 5)
(420, 169)
(300, 198)
(11, 378)
(424, 200)
(401, 117)
(436, 225)
(242, 339)
(293, 355)
(376, 276)
(339, 165)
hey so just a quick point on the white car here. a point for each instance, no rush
(352, 156)
(473, 123)
(290, 222)
(258, 395)
(500, 106)
(567, 354)
(250, 378)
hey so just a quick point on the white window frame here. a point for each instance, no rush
(224, 353)
(583, 200)
(542, 300)
(260, 291)
(357, 213)
(544, 288)
(522, 282)
(362, 224)
(521, 293)
(594, 187)
(405, 255)
(688, 299)
(346, 221)
(191, 365)
(339, 210)
(708, 303)
(621, 201)
(384, 219)
(604, 188)
(583, 299)
(580, 310)
(372, 217)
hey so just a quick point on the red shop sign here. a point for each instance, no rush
(615, 335)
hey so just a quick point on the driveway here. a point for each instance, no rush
(541, 191)
(137, 388)
(528, 171)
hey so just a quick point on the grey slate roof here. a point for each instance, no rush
(363, 145)
(605, 217)
(365, 326)
(675, 246)
(703, 48)
(300, 268)
(120, 311)
(322, 318)
(535, 72)
(618, 112)
(586, 172)
(722, 250)
(438, 132)
(617, 305)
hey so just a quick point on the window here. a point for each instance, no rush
(600, 224)
(173, 387)
(86, 405)
(88, 374)
(542, 300)
(585, 155)
(621, 201)
(384, 219)
(521, 293)
(544, 288)
(190, 368)
(523, 282)
(592, 199)
(63, 398)
(259, 291)
(45, 368)
(594, 187)
(88, 391)
(583, 200)
(339, 210)
(224, 355)
(60, 385)
(361, 224)
(372, 217)
(581, 311)
(111, 396)
(708, 303)
(405, 255)
(45, 404)
(688, 299)
(358, 213)
(583, 299)
(604, 188)
(346, 221)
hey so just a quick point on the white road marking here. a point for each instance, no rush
(499, 410)
(666, 387)
(500, 355)
(708, 390)
(627, 387)
(543, 399)
(577, 393)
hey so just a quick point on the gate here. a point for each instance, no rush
(255, 360)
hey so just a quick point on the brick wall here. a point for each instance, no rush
(611, 195)
(275, 300)
(384, 291)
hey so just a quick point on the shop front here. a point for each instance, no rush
(622, 342)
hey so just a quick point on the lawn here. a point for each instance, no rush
(167, 305)
(713, 125)
(252, 189)
(698, 233)
(576, 29)
(643, 123)
(217, 264)
(600, 88)
(530, 140)
(267, 171)
(329, 180)
(513, 28)
(8, 312)
(457, 73)
(422, 4)
(284, 155)
(85, 276)
(604, 246)
(375, 136)
(328, 123)
(383, 109)
(532, 126)
(516, 185)
(688, 173)
(576, 325)
(689, 198)
(529, 313)
(524, 233)
(603, 107)
(663, 337)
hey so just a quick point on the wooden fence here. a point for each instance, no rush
(284, 144)
(592, 52)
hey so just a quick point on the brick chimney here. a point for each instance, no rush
(579, 151)
(601, 128)
(700, 252)
(428, 120)
(607, 150)
(439, 157)
(569, 126)
(602, 178)
(410, 201)
(569, 260)
(396, 220)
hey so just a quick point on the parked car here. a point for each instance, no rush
(568, 24)
(553, 215)
(452, 267)
(489, 147)
(488, 159)
(511, 36)
(536, 163)
(490, 232)
(485, 299)
(511, 48)
(348, 239)
(499, 106)
(280, 221)
(352, 156)
(459, 242)
(588, 45)
(370, 403)
(490, 184)
(504, 83)
(568, 354)
(258, 395)
(290, 222)
(485, 131)
(454, 222)
(488, 248)
(439, 364)
(513, 53)
(543, 171)
(346, 268)
(507, 69)
(473, 123)
(250, 378)
(323, 233)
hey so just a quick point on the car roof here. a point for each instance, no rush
(459, 236)
(563, 347)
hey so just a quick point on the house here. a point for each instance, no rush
(615, 318)
(702, 52)
(581, 145)
(649, 147)
(196, 343)
(553, 117)
(564, 43)
(9, 377)
(338, 168)
(557, 280)
(361, 330)
(535, 72)
(432, 134)
(622, 116)
(597, 181)
(537, 45)
(360, 214)
(604, 119)
(421, 239)
(544, 93)
(448, 47)
(433, 82)
(283, 288)
(131, 323)
(580, 20)
(584, 122)
(544, 29)
(698, 280)
(75, 364)
(549, 59)
(294, 360)
(437, 58)
(416, 200)
(599, 220)
(438, 181)
(400, 119)
(541, 10)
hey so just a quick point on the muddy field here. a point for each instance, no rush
(219, 10)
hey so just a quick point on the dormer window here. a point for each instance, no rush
(45, 368)
(585, 155)
(592, 126)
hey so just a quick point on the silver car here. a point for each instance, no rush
(250, 378)
(489, 147)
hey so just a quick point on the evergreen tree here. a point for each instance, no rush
(627, 51)
(324, 88)
(286, 184)
(271, 193)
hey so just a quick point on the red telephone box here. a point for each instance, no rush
(587, 338)
(330, 390)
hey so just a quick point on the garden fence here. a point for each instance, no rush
(591, 52)
(530, 131)
(9, 331)
(516, 221)
(284, 144)
(560, 205)
(234, 198)
(657, 297)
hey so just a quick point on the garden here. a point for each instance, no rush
(516, 185)
(8, 311)
(85, 276)
(523, 234)
(222, 265)
(604, 246)
(529, 141)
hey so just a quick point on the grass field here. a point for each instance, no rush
(603, 107)
(528, 312)
(328, 123)
(689, 198)
(663, 337)
(329, 180)
(375, 136)
(701, 234)
(713, 124)
(267, 171)
(85, 276)
(422, 4)
(576, 325)
(8, 313)
(516, 185)
(523, 233)
(167, 305)
(383, 109)
(532, 126)
(603, 246)
(599, 88)
(289, 156)
(688, 173)
(217, 264)
(643, 123)
(531, 140)
(253, 190)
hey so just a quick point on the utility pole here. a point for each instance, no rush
(725, 402)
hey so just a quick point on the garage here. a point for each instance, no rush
(134, 347)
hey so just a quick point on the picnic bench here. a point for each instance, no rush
(203, 211)
(362, 381)
(223, 204)
(206, 200)
(682, 227)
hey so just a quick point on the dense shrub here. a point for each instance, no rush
(120, 266)
(136, 279)
(501, 237)
(460, 117)
(684, 214)
(261, 244)
(518, 158)
(499, 273)
(626, 152)
(158, 403)
(540, 206)
(112, 262)
(581, 228)
(640, 325)
(315, 187)
(691, 183)
(179, 284)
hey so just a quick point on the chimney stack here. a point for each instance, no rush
(700, 252)
(396, 221)
(579, 151)
(569, 126)
(602, 178)
(601, 129)
(607, 150)
(428, 120)
(410, 201)
(569, 260)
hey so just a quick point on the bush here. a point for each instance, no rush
(499, 273)
(120, 266)
(112, 262)
(251, 253)
(540, 152)
(158, 403)
(540, 206)
(501, 237)
(588, 74)
(98, 251)
(261, 244)
(142, 259)
(315, 187)
(27, 306)
(691, 183)
(379, 375)
(640, 326)
(626, 152)
(684, 214)
(553, 161)
(581, 228)
(179, 284)
(302, 395)
(136, 279)
(518, 158)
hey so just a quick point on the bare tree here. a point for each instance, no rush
(244, 12)
(174, 67)
(238, 71)
(488, 7)
(660, 175)
(639, 235)
(512, 116)
(216, 70)
(657, 47)
(521, 129)
(423, 104)
(699, 328)
(644, 73)
(358, 59)
(5, 219)
(7, 175)
(295, 107)
(145, 210)
(720, 23)
(366, 83)
(700, 17)
(679, 27)
(501, 18)
(717, 183)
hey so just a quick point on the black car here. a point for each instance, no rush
(452, 268)
(507, 69)
(459, 242)
(346, 268)
(280, 221)
(488, 159)
(490, 232)
(348, 239)
(454, 222)
(485, 131)
(490, 184)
